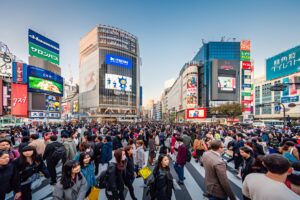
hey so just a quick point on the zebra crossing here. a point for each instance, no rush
(192, 189)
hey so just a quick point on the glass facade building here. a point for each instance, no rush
(109, 82)
(208, 52)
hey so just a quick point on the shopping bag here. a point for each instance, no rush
(145, 172)
(94, 194)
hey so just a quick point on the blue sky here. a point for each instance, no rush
(169, 32)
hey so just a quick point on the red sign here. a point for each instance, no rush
(197, 113)
(246, 109)
(246, 101)
(245, 45)
(246, 65)
(19, 100)
(1, 96)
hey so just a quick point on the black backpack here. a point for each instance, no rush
(151, 184)
(59, 152)
(188, 155)
(102, 180)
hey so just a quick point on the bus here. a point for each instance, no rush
(268, 123)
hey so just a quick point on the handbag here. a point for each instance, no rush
(94, 194)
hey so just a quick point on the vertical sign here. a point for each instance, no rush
(19, 100)
(19, 73)
(1, 97)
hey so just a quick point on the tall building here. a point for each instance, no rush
(109, 83)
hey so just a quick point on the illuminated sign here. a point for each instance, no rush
(226, 84)
(245, 45)
(246, 65)
(118, 61)
(199, 113)
(285, 63)
(19, 73)
(118, 82)
(19, 100)
(245, 56)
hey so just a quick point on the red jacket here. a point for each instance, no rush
(181, 156)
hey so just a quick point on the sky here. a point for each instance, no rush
(169, 32)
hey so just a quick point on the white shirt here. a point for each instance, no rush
(260, 187)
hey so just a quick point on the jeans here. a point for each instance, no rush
(130, 188)
(180, 171)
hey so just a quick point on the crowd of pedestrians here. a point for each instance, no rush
(111, 156)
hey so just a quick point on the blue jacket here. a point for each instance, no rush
(89, 174)
(106, 152)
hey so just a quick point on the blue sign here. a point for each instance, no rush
(141, 95)
(283, 64)
(246, 86)
(19, 71)
(118, 61)
(45, 74)
(42, 41)
(277, 108)
(289, 99)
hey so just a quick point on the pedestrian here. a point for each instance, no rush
(117, 141)
(152, 153)
(54, 152)
(199, 147)
(237, 158)
(106, 152)
(246, 154)
(129, 173)
(289, 151)
(84, 147)
(139, 155)
(25, 141)
(180, 160)
(37, 143)
(9, 176)
(293, 180)
(116, 174)
(270, 185)
(163, 179)
(216, 180)
(29, 166)
(97, 153)
(69, 146)
(88, 171)
(72, 184)
(5, 145)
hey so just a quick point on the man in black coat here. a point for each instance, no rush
(54, 152)
(117, 142)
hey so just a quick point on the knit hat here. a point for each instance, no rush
(5, 139)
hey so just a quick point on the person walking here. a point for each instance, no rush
(271, 185)
(72, 184)
(29, 165)
(139, 155)
(97, 153)
(38, 144)
(216, 180)
(54, 152)
(5, 145)
(152, 153)
(129, 173)
(180, 160)
(246, 154)
(106, 153)
(199, 147)
(69, 146)
(88, 171)
(9, 176)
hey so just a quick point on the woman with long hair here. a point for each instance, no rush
(29, 166)
(116, 172)
(88, 171)
(72, 184)
(163, 179)
(129, 175)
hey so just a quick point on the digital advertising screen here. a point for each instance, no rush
(36, 84)
(118, 82)
(199, 113)
(226, 84)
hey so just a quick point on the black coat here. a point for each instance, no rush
(10, 178)
(164, 184)
(116, 180)
(247, 168)
(50, 148)
(97, 152)
(117, 143)
(129, 173)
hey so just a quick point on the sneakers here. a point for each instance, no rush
(180, 182)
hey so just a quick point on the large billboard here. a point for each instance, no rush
(191, 88)
(44, 81)
(118, 82)
(19, 73)
(42, 47)
(118, 61)
(225, 80)
(199, 113)
(283, 64)
(19, 100)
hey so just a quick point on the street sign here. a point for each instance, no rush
(277, 108)
(292, 105)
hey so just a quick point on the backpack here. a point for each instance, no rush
(188, 155)
(59, 152)
(151, 185)
(102, 180)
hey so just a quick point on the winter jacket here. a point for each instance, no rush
(10, 178)
(181, 155)
(164, 185)
(117, 143)
(115, 181)
(247, 167)
(89, 174)
(26, 170)
(140, 157)
(70, 149)
(39, 145)
(50, 148)
(77, 191)
(97, 152)
(106, 152)
(129, 173)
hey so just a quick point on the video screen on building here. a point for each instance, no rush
(118, 82)
(36, 84)
(226, 84)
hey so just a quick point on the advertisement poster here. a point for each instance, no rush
(19, 100)
(199, 113)
(36, 84)
(118, 82)
(245, 45)
(19, 73)
(191, 98)
(286, 91)
(118, 61)
(52, 103)
(192, 86)
(226, 84)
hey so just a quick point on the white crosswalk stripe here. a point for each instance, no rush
(191, 189)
